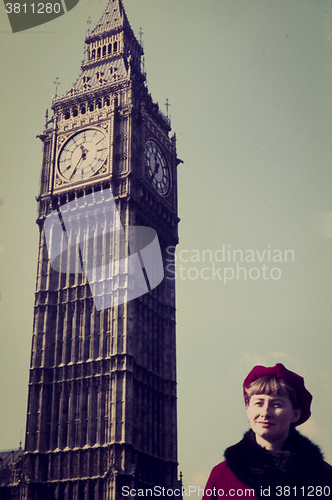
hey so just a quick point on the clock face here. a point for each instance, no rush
(83, 154)
(157, 168)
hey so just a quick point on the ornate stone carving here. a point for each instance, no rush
(75, 465)
(61, 139)
(58, 182)
(85, 464)
(56, 467)
(64, 466)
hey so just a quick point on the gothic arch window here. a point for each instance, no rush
(88, 413)
(75, 111)
(115, 47)
(107, 101)
(91, 106)
(81, 337)
(98, 52)
(77, 418)
(83, 109)
(93, 54)
(104, 51)
(110, 48)
(67, 114)
(66, 433)
(99, 104)
(61, 317)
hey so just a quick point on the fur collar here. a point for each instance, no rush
(300, 463)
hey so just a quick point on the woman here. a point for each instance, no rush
(273, 459)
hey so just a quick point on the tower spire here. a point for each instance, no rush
(114, 16)
(112, 53)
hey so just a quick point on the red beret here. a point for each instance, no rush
(294, 380)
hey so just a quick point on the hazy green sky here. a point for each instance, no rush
(249, 83)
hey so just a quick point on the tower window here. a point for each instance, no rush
(104, 50)
(99, 104)
(83, 109)
(115, 46)
(110, 48)
(91, 106)
(75, 111)
(67, 114)
(98, 52)
(93, 53)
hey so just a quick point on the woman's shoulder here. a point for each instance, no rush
(222, 476)
(328, 474)
(219, 468)
(328, 467)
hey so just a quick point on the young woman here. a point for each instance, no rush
(273, 459)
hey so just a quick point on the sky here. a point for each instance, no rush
(249, 87)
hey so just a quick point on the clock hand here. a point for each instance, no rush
(77, 164)
(156, 171)
(84, 152)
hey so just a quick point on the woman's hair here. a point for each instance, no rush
(269, 384)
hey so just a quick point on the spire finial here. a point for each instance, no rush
(88, 25)
(56, 83)
(167, 104)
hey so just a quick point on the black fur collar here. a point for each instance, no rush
(300, 463)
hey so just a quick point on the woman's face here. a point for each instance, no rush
(270, 418)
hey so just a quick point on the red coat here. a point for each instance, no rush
(224, 483)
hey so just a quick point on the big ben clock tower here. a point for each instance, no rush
(102, 392)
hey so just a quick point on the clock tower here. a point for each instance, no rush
(102, 391)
